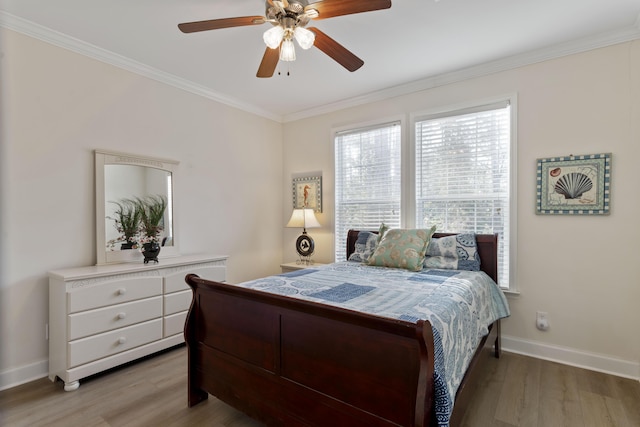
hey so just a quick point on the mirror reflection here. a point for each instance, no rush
(127, 189)
(134, 192)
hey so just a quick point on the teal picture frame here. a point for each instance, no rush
(307, 193)
(574, 185)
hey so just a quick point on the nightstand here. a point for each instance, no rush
(293, 266)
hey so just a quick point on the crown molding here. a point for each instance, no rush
(557, 51)
(64, 41)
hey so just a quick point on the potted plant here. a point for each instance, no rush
(127, 222)
(151, 209)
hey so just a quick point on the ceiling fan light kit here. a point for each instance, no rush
(289, 19)
(273, 37)
(304, 37)
(287, 51)
(280, 37)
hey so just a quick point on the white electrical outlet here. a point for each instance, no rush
(542, 322)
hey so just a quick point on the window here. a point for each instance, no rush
(463, 174)
(459, 176)
(368, 180)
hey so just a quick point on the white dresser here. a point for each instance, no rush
(103, 316)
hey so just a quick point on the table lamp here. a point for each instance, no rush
(304, 218)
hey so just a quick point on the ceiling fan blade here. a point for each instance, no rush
(215, 24)
(336, 51)
(330, 8)
(269, 63)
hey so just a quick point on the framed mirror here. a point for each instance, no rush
(122, 180)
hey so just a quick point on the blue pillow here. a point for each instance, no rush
(459, 252)
(365, 245)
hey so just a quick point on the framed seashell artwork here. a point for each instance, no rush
(574, 185)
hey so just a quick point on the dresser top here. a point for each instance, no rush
(132, 267)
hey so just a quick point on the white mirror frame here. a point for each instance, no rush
(102, 158)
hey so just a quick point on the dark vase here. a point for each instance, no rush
(127, 245)
(150, 251)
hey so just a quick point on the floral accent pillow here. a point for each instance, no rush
(365, 245)
(459, 252)
(402, 248)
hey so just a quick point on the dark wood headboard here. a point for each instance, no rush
(487, 248)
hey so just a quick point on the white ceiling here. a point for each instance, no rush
(415, 44)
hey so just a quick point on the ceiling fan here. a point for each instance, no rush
(289, 19)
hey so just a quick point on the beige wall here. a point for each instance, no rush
(234, 184)
(581, 270)
(56, 108)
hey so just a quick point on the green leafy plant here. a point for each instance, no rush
(126, 221)
(151, 210)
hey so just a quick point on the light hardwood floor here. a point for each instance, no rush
(516, 391)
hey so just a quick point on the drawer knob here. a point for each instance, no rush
(122, 340)
(121, 291)
(122, 315)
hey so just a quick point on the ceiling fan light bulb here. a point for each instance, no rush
(273, 36)
(287, 51)
(304, 37)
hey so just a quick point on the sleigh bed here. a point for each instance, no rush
(293, 361)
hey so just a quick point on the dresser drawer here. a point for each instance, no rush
(115, 316)
(175, 282)
(174, 324)
(113, 292)
(177, 301)
(98, 346)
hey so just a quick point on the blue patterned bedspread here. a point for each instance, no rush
(459, 304)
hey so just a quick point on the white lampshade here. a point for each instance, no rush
(303, 218)
(304, 37)
(287, 51)
(273, 36)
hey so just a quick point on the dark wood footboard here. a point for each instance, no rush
(291, 362)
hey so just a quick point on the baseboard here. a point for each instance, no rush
(573, 357)
(24, 374)
(564, 355)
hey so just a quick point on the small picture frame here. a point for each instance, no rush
(307, 193)
(574, 185)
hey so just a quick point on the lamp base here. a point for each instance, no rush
(304, 245)
(304, 260)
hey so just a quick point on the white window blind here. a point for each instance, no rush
(368, 180)
(463, 174)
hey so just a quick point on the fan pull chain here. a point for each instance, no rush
(288, 71)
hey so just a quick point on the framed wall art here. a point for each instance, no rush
(574, 185)
(307, 193)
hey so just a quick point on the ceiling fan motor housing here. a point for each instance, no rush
(287, 14)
